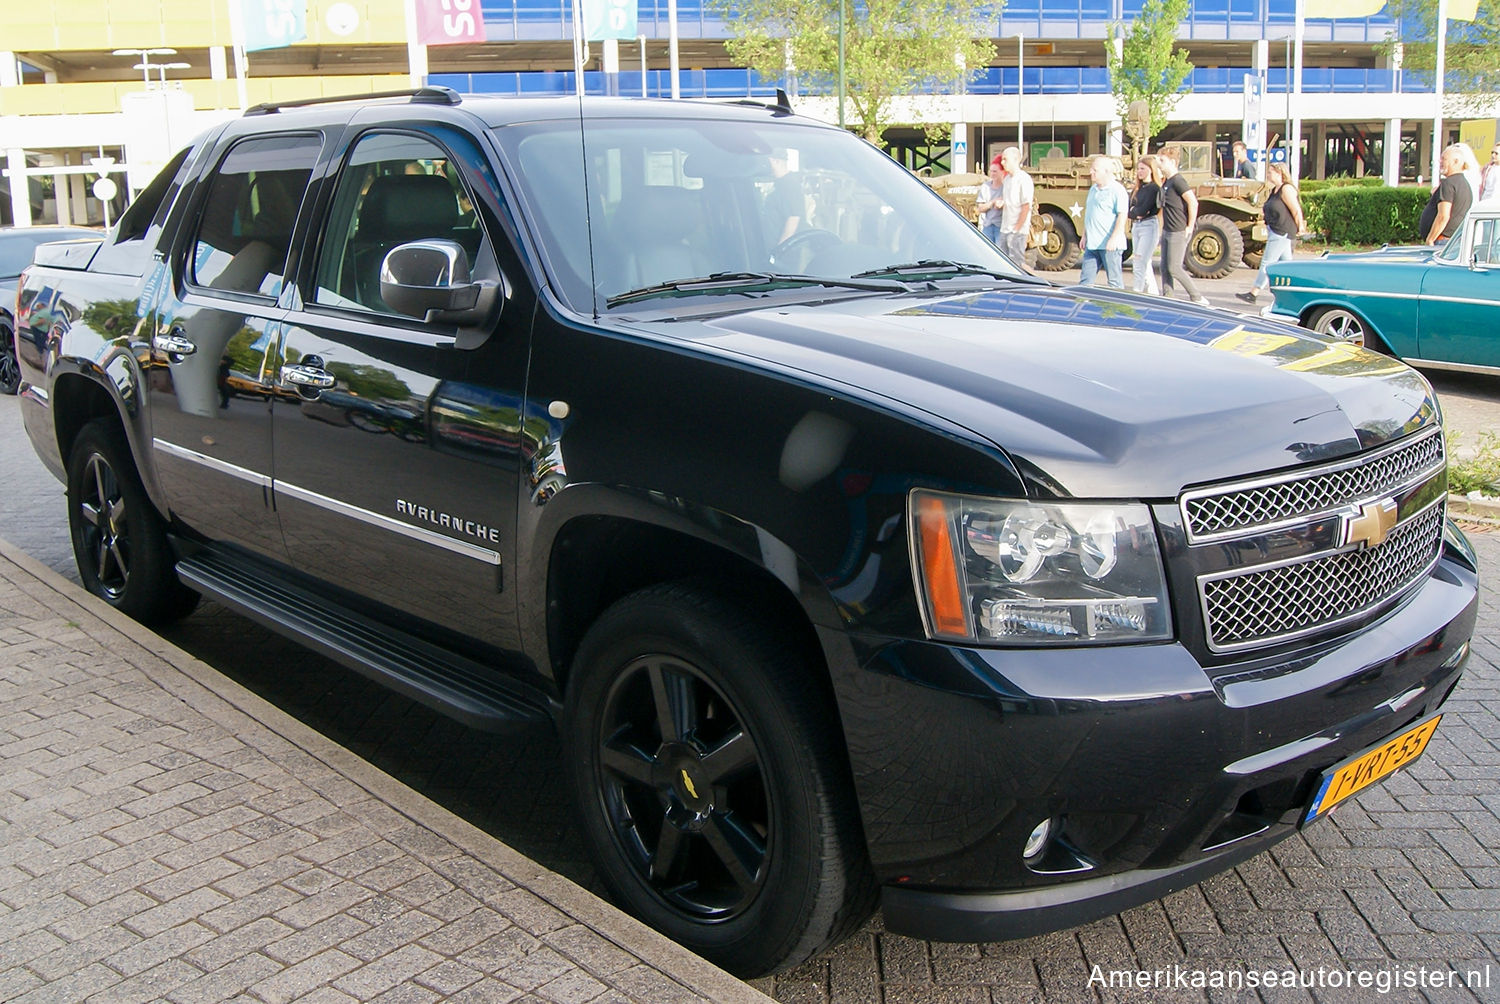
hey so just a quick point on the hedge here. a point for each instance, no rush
(1340, 181)
(1365, 214)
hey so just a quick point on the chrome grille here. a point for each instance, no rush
(1279, 602)
(1232, 510)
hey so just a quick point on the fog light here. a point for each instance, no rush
(1037, 842)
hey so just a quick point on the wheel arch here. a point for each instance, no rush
(79, 397)
(597, 557)
(1309, 313)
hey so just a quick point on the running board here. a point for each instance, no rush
(476, 695)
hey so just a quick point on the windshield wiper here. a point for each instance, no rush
(730, 281)
(942, 266)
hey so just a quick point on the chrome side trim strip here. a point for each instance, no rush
(387, 523)
(1381, 294)
(213, 463)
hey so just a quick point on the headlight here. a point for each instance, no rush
(1019, 572)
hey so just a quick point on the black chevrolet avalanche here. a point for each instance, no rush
(854, 565)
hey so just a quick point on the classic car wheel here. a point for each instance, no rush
(1343, 324)
(119, 541)
(716, 800)
(1215, 248)
(10, 369)
(1059, 248)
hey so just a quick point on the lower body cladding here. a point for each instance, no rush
(1007, 793)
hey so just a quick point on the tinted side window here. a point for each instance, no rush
(245, 232)
(152, 200)
(396, 188)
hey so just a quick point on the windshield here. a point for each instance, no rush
(682, 199)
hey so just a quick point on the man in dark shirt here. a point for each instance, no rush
(1450, 201)
(1242, 166)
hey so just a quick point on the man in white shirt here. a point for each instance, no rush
(1018, 193)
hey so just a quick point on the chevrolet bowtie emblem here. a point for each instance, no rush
(687, 783)
(1371, 524)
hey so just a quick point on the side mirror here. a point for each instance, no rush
(430, 280)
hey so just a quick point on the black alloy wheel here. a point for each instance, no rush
(10, 368)
(684, 788)
(119, 540)
(709, 770)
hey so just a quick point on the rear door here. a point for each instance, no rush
(398, 452)
(214, 336)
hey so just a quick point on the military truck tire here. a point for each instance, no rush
(1252, 258)
(1216, 247)
(1059, 248)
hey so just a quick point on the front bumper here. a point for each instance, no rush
(1161, 772)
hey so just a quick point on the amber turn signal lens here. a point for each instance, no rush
(945, 596)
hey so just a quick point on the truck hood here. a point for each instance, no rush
(1095, 393)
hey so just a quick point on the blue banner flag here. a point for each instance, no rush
(272, 24)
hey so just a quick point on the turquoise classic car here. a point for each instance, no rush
(1431, 307)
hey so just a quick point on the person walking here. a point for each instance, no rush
(988, 202)
(1489, 180)
(1450, 200)
(1284, 221)
(1018, 194)
(1179, 212)
(1104, 213)
(1145, 223)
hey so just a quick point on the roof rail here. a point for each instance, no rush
(418, 95)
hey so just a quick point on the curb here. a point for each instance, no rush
(1480, 510)
(241, 712)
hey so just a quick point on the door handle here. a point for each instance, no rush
(300, 375)
(174, 343)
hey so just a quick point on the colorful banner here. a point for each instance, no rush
(604, 19)
(449, 22)
(272, 24)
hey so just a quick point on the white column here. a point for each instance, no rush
(10, 71)
(20, 203)
(416, 52)
(60, 193)
(1392, 146)
(1294, 154)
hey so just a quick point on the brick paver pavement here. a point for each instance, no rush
(166, 835)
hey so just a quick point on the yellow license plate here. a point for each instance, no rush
(1355, 775)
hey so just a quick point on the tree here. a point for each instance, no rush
(1471, 72)
(1149, 67)
(891, 47)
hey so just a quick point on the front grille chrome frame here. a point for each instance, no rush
(1415, 460)
(1424, 528)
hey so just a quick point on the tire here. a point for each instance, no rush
(1251, 259)
(10, 368)
(1347, 326)
(1216, 247)
(119, 540)
(701, 734)
(1059, 248)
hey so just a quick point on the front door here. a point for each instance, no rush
(215, 331)
(396, 470)
(1458, 319)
